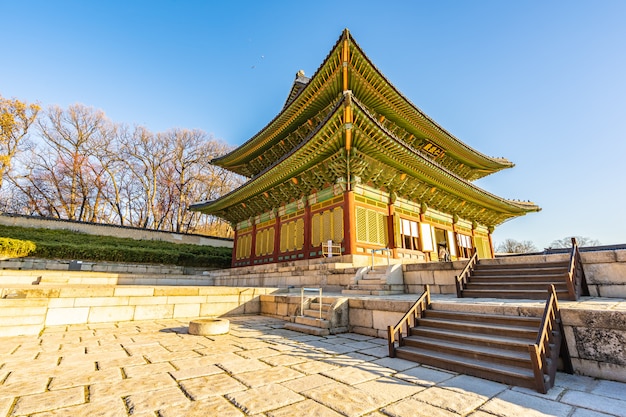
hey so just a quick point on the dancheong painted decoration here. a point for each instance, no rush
(349, 161)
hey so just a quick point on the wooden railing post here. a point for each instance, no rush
(394, 333)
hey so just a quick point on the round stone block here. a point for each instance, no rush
(209, 326)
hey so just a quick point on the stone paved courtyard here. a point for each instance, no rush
(154, 368)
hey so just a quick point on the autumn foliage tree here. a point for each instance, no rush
(16, 118)
(85, 167)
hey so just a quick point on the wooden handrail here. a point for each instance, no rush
(576, 282)
(541, 349)
(414, 312)
(461, 279)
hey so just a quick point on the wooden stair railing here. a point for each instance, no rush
(576, 281)
(461, 279)
(544, 353)
(397, 332)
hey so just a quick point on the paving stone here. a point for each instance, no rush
(610, 389)
(455, 401)
(351, 375)
(329, 347)
(211, 386)
(313, 367)
(24, 387)
(216, 406)
(119, 362)
(379, 352)
(304, 408)
(196, 372)
(344, 399)
(473, 385)
(389, 389)
(51, 400)
(109, 408)
(414, 408)
(74, 379)
(396, 364)
(511, 403)
(583, 412)
(258, 353)
(267, 376)
(283, 360)
(424, 376)
(171, 356)
(142, 371)
(596, 403)
(576, 382)
(243, 365)
(265, 398)
(5, 405)
(308, 382)
(152, 401)
(553, 393)
(125, 387)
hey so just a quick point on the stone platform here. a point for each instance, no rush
(150, 368)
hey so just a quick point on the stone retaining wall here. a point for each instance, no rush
(112, 230)
(27, 310)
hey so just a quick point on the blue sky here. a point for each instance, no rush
(542, 83)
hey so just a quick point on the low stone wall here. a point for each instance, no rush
(605, 272)
(333, 274)
(27, 310)
(29, 264)
(111, 230)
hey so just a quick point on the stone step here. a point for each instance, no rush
(497, 319)
(518, 286)
(370, 292)
(513, 294)
(303, 328)
(325, 306)
(314, 322)
(492, 354)
(511, 375)
(314, 313)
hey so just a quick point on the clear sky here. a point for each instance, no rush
(542, 83)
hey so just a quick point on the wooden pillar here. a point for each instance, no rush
(253, 244)
(277, 239)
(234, 257)
(391, 232)
(491, 245)
(349, 223)
(307, 230)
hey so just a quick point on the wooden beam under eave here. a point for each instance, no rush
(345, 56)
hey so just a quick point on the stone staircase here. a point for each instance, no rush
(516, 280)
(321, 316)
(377, 280)
(514, 350)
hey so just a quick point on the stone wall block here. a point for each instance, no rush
(110, 314)
(383, 319)
(153, 312)
(361, 318)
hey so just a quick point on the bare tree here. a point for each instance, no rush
(566, 242)
(16, 117)
(514, 246)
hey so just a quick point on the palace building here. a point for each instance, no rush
(350, 161)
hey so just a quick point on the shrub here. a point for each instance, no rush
(15, 248)
(65, 244)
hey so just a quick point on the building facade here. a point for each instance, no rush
(350, 162)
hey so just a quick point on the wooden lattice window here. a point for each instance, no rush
(371, 226)
(327, 225)
(292, 235)
(244, 246)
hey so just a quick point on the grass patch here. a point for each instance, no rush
(66, 244)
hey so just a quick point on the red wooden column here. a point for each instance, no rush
(307, 230)
(253, 244)
(349, 223)
(234, 258)
(277, 238)
(391, 232)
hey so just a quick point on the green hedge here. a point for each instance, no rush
(65, 244)
(15, 248)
